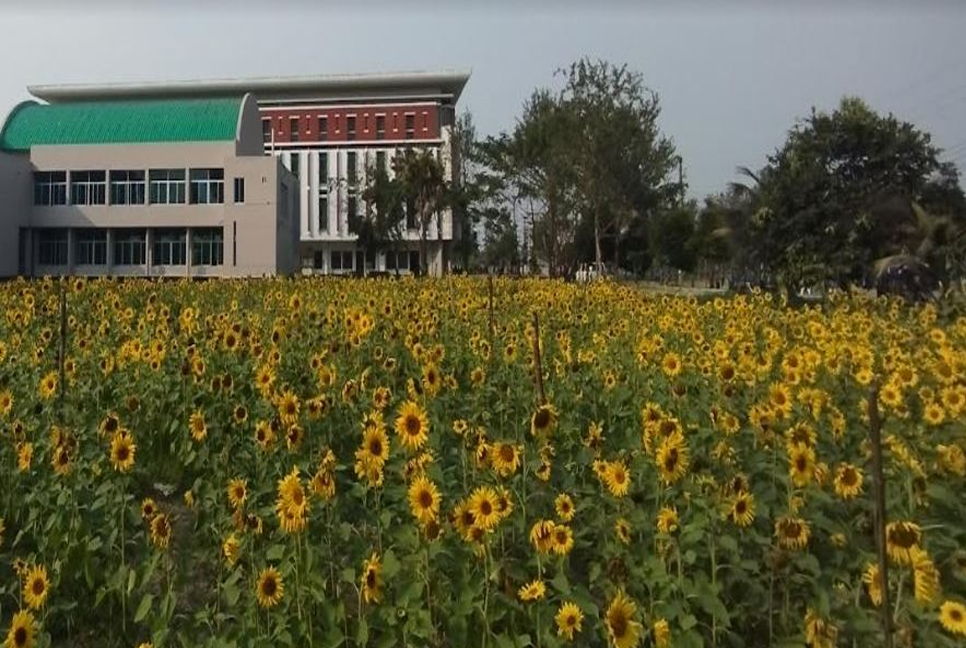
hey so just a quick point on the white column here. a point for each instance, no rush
(303, 189)
(312, 169)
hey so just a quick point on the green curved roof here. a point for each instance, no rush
(121, 122)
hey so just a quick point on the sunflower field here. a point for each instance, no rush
(400, 463)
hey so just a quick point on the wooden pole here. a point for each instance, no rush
(62, 348)
(538, 368)
(879, 509)
(490, 281)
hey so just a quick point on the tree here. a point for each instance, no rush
(621, 159)
(672, 237)
(821, 218)
(422, 186)
(470, 188)
(380, 227)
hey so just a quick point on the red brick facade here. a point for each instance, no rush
(425, 122)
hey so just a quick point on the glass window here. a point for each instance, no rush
(169, 247)
(380, 127)
(350, 130)
(129, 247)
(50, 188)
(207, 246)
(410, 214)
(380, 161)
(323, 224)
(296, 164)
(239, 190)
(88, 188)
(207, 186)
(167, 186)
(293, 129)
(352, 207)
(266, 130)
(90, 246)
(350, 167)
(414, 261)
(342, 260)
(52, 247)
(410, 126)
(127, 187)
(323, 129)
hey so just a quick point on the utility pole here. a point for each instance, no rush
(680, 180)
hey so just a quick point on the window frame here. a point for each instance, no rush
(90, 247)
(239, 196)
(206, 186)
(380, 127)
(50, 188)
(129, 247)
(88, 188)
(53, 250)
(168, 183)
(125, 187)
(208, 246)
(293, 129)
(169, 247)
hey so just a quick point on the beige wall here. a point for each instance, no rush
(260, 238)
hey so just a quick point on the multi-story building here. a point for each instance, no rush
(332, 132)
(155, 187)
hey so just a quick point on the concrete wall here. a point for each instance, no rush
(16, 195)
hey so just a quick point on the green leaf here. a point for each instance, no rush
(390, 564)
(275, 552)
(146, 602)
(131, 578)
(362, 634)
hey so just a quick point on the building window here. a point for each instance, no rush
(169, 247)
(52, 247)
(88, 188)
(127, 187)
(350, 129)
(410, 207)
(352, 207)
(350, 168)
(293, 129)
(207, 246)
(323, 223)
(410, 126)
(91, 246)
(266, 130)
(342, 260)
(50, 188)
(129, 247)
(167, 186)
(381, 161)
(294, 164)
(323, 129)
(317, 259)
(239, 190)
(207, 186)
(380, 127)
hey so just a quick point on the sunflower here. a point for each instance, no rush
(291, 504)
(848, 481)
(743, 509)
(484, 504)
(873, 583)
(533, 591)
(925, 577)
(231, 549)
(240, 414)
(563, 539)
(504, 503)
(294, 436)
(61, 460)
(541, 535)
(622, 630)
(412, 426)
(662, 634)
(933, 414)
(505, 458)
(148, 509)
(372, 579)
(569, 619)
(264, 435)
(801, 464)
(122, 451)
(793, 533)
(952, 616)
(622, 529)
(901, 539)
(667, 520)
(671, 364)
(22, 631)
(288, 407)
(477, 376)
(110, 424)
(48, 385)
(543, 421)
(25, 455)
(160, 530)
(323, 483)
(197, 426)
(564, 507)
(819, 633)
(672, 458)
(6, 402)
(237, 492)
(423, 499)
(269, 589)
(431, 380)
(35, 587)
(616, 478)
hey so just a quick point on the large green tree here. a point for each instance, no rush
(822, 194)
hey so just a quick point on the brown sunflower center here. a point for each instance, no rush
(801, 463)
(413, 426)
(904, 536)
(375, 447)
(956, 615)
(371, 578)
(122, 453)
(740, 507)
(425, 499)
(486, 507)
(849, 478)
(38, 586)
(269, 587)
(618, 624)
(20, 637)
(541, 419)
(507, 453)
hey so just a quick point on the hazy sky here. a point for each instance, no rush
(732, 76)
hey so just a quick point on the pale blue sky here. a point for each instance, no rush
(732, 76)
